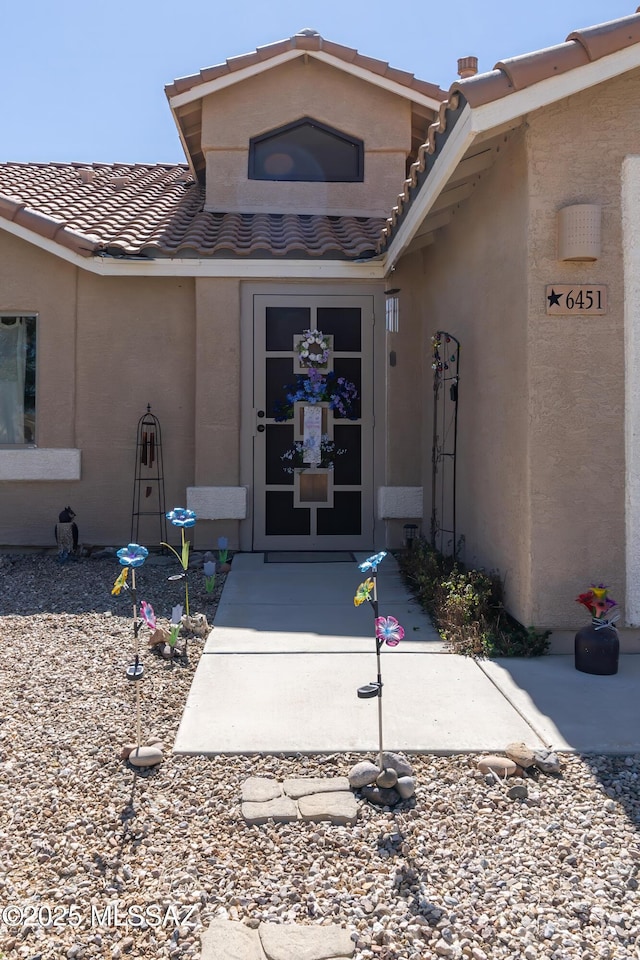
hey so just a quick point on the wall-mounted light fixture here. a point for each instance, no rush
(392, 311)
(410, 531)
(579, 232)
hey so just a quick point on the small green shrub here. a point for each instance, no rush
(467, 606)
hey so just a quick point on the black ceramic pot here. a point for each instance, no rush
(597, 649)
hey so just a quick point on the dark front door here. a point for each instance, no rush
(313, 455)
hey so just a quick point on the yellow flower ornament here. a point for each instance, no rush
(121, 582)
(363, 592)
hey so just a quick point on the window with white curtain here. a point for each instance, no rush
(17, 379)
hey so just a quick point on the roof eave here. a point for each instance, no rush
(254, 69)
(232, 267)
(480, 120)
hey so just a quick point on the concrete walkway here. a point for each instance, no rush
(281, 667)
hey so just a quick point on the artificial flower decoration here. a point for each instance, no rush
(223, 549)
(209, 570)
(294, 458)
(313, 349)
(121, 582)
(180, 517)
(341, 395)
(148, 615)
(176, 618)
(363, 592)
(596, 601)
(133, 555)
(389, 630)
(372, 563)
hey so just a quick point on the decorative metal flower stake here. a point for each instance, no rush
(131, 557)
(387, 630)
(180, 517)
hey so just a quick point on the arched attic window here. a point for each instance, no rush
(306, 150)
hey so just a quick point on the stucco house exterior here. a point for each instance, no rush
(189, 288)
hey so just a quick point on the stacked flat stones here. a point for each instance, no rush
(300, 798)
(386, 787)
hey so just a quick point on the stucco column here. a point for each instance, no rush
(217, 387)
(631, 247)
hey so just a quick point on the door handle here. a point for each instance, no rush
(261, 428)
(261, 413)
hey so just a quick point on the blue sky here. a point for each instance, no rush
(85, 81)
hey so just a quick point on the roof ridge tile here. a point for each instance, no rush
(529, 68)
(605, 38)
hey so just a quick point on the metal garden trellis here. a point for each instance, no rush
(446, 372)
(149, 476)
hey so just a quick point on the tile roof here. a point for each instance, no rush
(188, 116)
(156, 210)
(307, 40)
(509, 76)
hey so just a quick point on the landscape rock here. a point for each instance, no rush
(303, 786)
(518, 791)
(230, 940)
(547, 761)
(335, 807)
(387, 778)
(521, 754)
(381, 797)
(406, 787)
(260, 789)
(363, 773)
(288, 941)
(501, 766)
(145, 756)
(398, 763)
(280, 810)
(159, 636)
(461, 863)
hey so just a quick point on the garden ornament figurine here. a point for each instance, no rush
(66, 534)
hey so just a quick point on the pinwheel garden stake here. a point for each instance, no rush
(387, 630)
(131, 557)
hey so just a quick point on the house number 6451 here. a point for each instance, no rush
(563, 298)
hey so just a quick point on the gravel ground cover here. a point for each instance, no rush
(97, 860)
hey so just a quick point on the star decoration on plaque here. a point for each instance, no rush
(554, 298)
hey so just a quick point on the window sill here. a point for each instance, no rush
(37, 463)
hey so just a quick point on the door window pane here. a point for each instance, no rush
(279, 438)
(347, 469)
(345, 518)
(279, 376)
(344, 324)
(282, 325)
(17, 379)
(282, 518)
